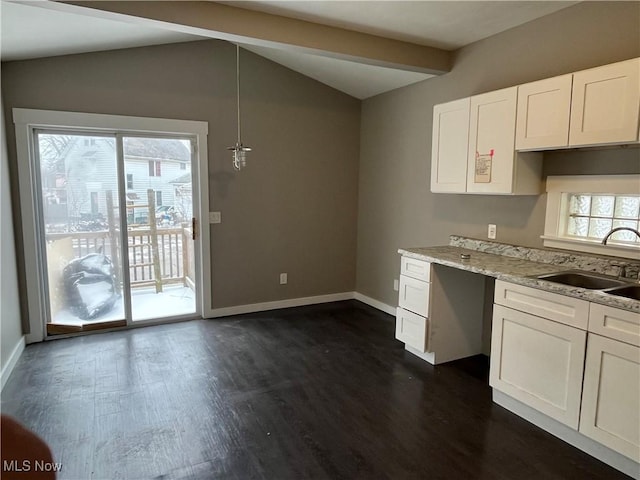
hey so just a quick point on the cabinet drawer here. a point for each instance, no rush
(615, 323)
(418, 269)
(411, 329)
(414, 295)
(538, 362)
(567, 310)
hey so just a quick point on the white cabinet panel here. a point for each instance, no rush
(418, 269)
(411, 329)
(611, 397)
(567, 310)
(543, 113)
(538, 362)
(449, 146)
(493, 165)
(615, 323)
(606, 104)
(492, 129)
(414, 295)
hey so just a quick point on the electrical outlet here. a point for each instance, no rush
(215, 217)
(283, 279)
(491, 232)
(396, 285)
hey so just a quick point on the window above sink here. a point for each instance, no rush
(581, 210)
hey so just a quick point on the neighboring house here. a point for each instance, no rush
(183, 194)
(77, 179)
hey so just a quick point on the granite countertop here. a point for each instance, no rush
(515, 270)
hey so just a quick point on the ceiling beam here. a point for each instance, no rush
(214, 20)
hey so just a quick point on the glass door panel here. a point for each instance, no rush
(81, 225)
(159, 213)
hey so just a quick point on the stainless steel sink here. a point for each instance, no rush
(590, 281)
(630, 291)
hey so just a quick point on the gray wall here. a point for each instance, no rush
(10, 328)
(294, 208)
(396, 208)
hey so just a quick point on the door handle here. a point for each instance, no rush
(193, 228)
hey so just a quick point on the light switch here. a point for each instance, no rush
(215, 217)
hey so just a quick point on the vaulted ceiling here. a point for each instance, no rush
(362, 48)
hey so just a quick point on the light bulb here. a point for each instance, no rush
(239, 156)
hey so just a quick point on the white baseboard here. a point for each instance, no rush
(13, 359)
(375, 303)
(292, 302)
(299, 302)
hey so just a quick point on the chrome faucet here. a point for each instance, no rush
(617, 229)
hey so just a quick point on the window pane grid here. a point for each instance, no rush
(593, 216)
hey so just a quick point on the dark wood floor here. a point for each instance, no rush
(313, 392)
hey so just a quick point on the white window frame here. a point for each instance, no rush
(27, 120)
(556, 213)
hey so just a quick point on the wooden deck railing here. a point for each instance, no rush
(174, 253)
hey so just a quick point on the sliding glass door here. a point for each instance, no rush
(116, 229)
(159, 208)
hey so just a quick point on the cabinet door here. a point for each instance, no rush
(606, 104)
(449, 146)
(411, 329)
(611, 396)
(543, 114)
(490, 158)
(538, 362)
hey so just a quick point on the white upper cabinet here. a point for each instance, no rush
(606, 104)
(491, 141)
(449, 147)
(493, 167)
(473, 148)
(480, 143)
(543, 113)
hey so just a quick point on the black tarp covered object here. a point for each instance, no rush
(90, 285)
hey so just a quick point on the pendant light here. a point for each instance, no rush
(239, 150)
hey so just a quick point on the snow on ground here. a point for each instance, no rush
(146, 304)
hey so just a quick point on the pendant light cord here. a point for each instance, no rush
(238, 88)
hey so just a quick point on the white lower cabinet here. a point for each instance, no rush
(611, 395)
(538, 362)
(434, 323)
(579, 366)
(413, 304)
